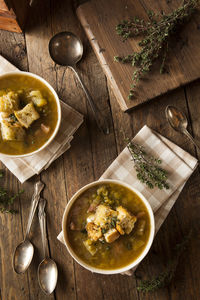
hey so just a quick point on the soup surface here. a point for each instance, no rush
(108, 226)
(28, 114)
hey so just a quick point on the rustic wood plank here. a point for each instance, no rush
(188, 213)
(3, 6)
(13, 48)
(16, 53)
(192, 94)
(38, 34)
(12, 286)
(10, 24)
(91, 153)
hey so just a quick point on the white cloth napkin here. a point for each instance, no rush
(178, 163)
(24, 168)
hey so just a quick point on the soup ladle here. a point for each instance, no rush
(179, 122)
(66, 49)
(47, 269)
(24, 251)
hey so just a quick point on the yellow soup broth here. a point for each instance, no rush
(127, 247)
(48, 115)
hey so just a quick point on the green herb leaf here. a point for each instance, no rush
(113, 222)
(156, 33)
(148, 168)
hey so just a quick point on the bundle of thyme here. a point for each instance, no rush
(156, 34)
(164, 278)
(147, 167)
(7, 200)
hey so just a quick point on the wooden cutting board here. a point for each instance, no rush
(99, 19)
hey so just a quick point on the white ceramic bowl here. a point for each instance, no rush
(97, 270)
(28, 74)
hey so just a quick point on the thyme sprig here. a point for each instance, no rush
(7, 200)
(165, 277)
(148, 167)
(155, 44)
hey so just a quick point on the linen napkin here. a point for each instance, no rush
(178, 163)
(24, 168)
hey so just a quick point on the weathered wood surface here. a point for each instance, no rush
(13, 14)
(99, 19)
(91, 153)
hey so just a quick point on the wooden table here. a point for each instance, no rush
(91, 153)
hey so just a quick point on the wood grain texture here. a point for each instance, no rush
(3, 6)
(89, 156)
(9, 23)
(13, 14)
(12, 286)
(99, 19)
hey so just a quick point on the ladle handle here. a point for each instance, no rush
(100, 120)
(191, 138)
(38, 187)
(42, 221)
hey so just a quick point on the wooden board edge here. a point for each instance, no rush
(99, 54)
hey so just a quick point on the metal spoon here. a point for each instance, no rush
(47, 269)
(179, 122)
(66, 49)
(24, 251)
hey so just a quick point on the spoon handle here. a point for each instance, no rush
(42, 221)
(36, 196)
(100, 120)
(191, 138)
(32, 2)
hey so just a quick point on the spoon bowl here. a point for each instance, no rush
(179, 122)
(176, 118)
(47, 275)
(65, 48)
(23, 256)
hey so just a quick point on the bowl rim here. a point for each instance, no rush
(29, 74)
(108, 271)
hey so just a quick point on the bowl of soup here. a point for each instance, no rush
(108, 227)
(30, 114)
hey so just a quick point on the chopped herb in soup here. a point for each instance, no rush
(28, 114)
(108, 226)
